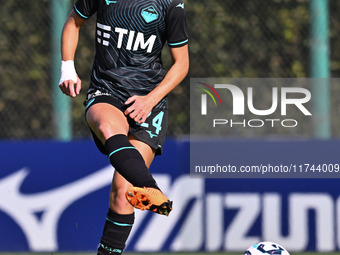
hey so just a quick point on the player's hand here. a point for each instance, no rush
(140, 108)
(69, 83)
(70, 88)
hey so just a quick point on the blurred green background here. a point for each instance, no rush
(248, 38)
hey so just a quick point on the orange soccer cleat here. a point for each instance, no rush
(149, 199)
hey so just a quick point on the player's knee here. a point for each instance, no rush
(104, 130)
(118, 201)
(108, 129)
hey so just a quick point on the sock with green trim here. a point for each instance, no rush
(116, 231)
(127, 161)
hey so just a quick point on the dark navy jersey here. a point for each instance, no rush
(130, 35)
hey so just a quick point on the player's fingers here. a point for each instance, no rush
(130, 100)
(140, 120)
(62, 88)
(130, 110)
(133, 115)
(144, 117)
(71, 89)
(78, 86)
(140, 117)
(137, 115)
(67, 87)
(137, 119)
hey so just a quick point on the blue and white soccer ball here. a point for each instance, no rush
(266, 248)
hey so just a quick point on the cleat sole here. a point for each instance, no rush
(140, 199)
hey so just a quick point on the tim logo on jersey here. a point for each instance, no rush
(135, 40)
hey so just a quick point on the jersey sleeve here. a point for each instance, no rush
(86, 8)
(176, 25)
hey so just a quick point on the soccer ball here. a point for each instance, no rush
(266, 248)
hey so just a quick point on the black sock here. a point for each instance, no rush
(116, 231)
(127, 161)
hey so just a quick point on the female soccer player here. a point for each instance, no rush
(126, 106)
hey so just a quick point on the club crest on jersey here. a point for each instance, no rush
(149, 14)
(108, 2)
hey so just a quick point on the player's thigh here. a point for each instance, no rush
(105, 120)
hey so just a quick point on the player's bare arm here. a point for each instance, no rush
(142, 105)
(70, 84)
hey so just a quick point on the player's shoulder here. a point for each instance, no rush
(172, 3)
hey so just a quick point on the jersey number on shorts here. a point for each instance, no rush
(156, 123)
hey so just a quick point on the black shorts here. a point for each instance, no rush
(151, 132)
